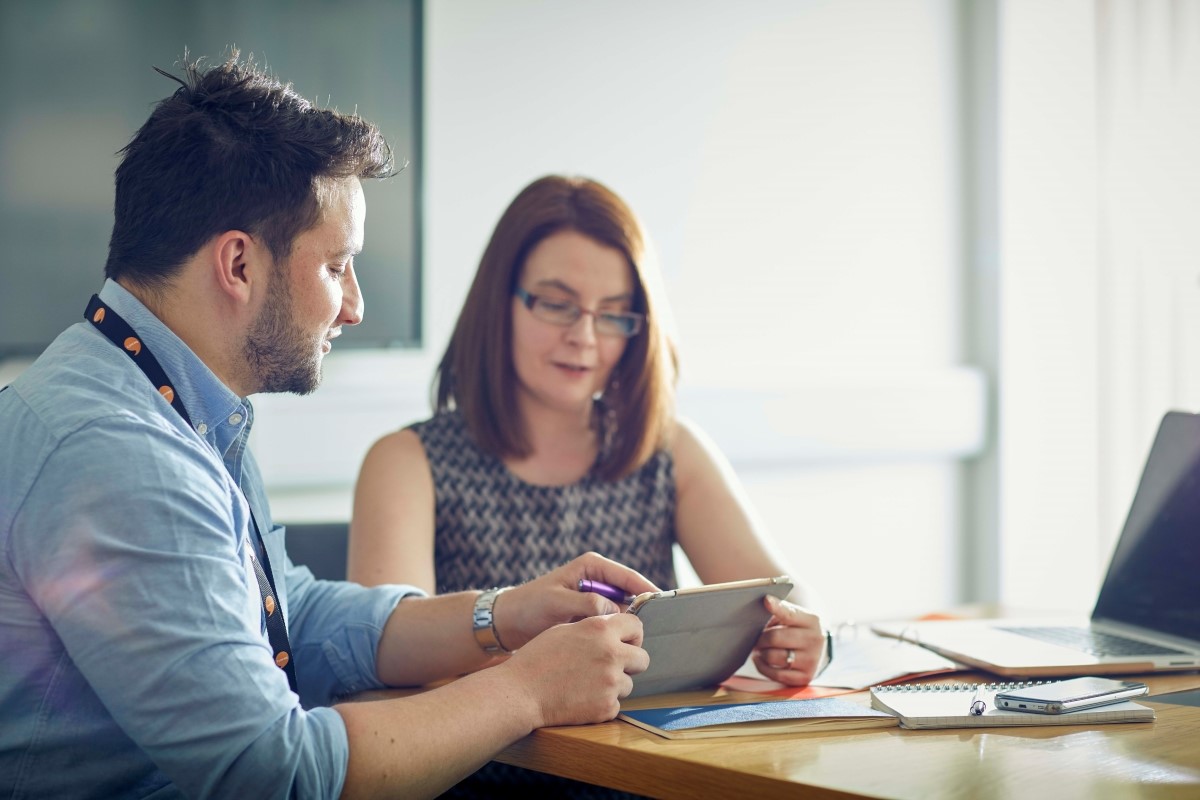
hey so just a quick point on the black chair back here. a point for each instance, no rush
(320, 546)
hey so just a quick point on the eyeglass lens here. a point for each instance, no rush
(564, 312)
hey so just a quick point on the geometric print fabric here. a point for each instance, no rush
(494, 529)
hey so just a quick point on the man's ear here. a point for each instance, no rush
(239, 262)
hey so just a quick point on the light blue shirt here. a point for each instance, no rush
(134, 660)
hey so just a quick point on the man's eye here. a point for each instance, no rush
(337, 270)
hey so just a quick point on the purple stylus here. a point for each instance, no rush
(605, 590)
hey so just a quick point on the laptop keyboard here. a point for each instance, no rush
(1093, 642)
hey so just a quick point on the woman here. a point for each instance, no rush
(555, 432)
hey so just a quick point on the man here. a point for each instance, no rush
(156, 639)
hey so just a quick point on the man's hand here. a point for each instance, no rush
(577, 673)
(527, 610)
(791, 647)
(419, 746)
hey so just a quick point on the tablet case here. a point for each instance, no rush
(697, 638)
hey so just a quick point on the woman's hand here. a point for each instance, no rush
(791, 649)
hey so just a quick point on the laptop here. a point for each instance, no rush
(1147, 616)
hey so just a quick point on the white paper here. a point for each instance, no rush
(862, 659)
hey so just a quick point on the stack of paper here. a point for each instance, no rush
(747, 719)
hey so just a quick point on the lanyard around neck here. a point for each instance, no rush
(119, 332)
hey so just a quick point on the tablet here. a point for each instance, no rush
(698, 637)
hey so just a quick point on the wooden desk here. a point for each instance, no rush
(1146, 760)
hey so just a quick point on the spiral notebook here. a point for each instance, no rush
(948, 705)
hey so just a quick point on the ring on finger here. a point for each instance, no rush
(791, 658)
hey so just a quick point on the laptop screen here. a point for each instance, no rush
(1154, 578)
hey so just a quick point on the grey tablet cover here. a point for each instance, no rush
(698, 640)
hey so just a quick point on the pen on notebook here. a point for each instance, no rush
(978, 704)
(605, 590)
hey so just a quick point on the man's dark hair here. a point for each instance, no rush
(231, 149)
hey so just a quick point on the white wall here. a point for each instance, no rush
(796, 164)
(1099, 299)
(851, 200)
(1148, 103)
(1048, 312)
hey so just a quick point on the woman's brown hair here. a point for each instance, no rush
(476, 374)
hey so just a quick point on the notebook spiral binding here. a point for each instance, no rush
(955, 687)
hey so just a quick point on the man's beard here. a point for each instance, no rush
(280, 357)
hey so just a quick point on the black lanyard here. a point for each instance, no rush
(119, 332)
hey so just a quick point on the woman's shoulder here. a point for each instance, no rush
(657, 470)
(443, 429)
(397, 449)
(692, 452)
(683, 438)
(421, 442)
(450, 450)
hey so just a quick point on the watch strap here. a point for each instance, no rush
(483, 621)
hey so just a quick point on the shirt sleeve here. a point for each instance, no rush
(132, 548)
(335, 627)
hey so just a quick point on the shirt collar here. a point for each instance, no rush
(218, 415)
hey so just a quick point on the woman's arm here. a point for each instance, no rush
(714, 521)
(391, 532)
(718, 532)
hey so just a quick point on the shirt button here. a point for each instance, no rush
(234, 419)
(201, 429)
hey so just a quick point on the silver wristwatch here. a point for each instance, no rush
(484, 622)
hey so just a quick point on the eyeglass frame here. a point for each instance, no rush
(529, 300)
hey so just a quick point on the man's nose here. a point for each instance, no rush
(352, 301)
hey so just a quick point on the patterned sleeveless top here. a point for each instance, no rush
(494, 529)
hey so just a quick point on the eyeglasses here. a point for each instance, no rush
(565, 313)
